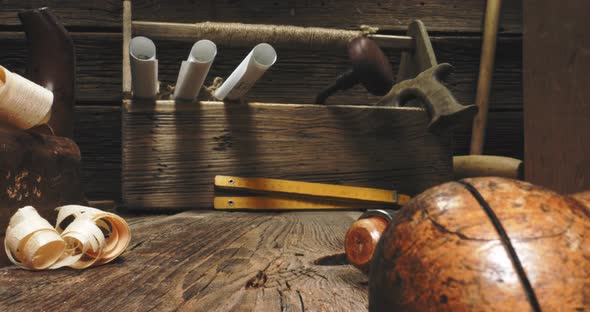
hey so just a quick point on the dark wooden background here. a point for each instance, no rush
(455, 27)
(556, 93)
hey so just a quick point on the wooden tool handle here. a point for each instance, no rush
(484, 166)
(486, 68)
(443, 109)
(363, 235)
(361, 241)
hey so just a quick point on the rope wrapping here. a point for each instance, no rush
(232, 34)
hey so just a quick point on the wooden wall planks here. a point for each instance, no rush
(446, 16)
(95, 25)
(440, 15)
(98, 61)
(98, 134)
(557, 94)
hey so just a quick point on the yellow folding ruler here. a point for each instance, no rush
(286, 194)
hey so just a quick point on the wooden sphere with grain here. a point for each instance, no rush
(445, 250)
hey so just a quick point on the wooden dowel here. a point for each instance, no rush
(126, 40)
(236, 34)
(486, 70)
(394, 42)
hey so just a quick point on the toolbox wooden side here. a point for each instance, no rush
(172, 151)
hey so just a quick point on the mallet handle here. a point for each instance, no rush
(486, 68)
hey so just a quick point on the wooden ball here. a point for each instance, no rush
(443, 252)
(361, 240)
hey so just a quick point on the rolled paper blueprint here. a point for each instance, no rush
(248, 72)
(23, 103)
(144, 68)
(194, 70)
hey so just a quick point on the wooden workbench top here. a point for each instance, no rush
(207, 261)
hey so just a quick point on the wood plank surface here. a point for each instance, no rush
(302, 72)
(98, 63)
(171, 152)
(207, 261)
(447, 16)
(442, 15)
(556, 94)
(72, 13)
(98, 134)
(505, 136)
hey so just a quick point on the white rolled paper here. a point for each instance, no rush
(144, 68)
(194, 70)
(23, 103)
(261, 58)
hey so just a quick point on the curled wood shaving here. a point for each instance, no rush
(83, 237)
(23, 103)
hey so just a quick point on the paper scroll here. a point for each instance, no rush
(23, 103)
(144, 68)
(194, 70)
(261, 58)
(83, 237)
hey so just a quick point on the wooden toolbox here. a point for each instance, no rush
(172, 150)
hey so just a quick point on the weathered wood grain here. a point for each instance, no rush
(557, 96)
(171, 152)
(98, 62)
(505, 136)
(447, 16)
(303, 73)
(207, 261)
(72, 13)
(98, 134)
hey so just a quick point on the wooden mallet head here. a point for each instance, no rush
(484, 244)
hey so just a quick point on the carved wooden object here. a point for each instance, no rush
(52, 64)
(444, 111)
(484, 243)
